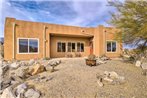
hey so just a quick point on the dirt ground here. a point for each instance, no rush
(73, 79)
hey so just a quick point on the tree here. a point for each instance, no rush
(131, 18)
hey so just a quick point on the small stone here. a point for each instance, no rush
(100, 83)
(108, 79)
(113, 74)
(31, 93)
(144, 65)
(138, 63)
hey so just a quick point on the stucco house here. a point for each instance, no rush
(25, 40)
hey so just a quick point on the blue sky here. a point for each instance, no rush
(87, 13)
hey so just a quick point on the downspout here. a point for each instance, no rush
(13, 56)
(44, 40)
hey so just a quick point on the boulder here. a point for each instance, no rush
(31, 62)
(5, 83)
(20, 89)
(3, 69)
(38, 68)
(111, 74)
(21, 72)
(23, 63)
(31, 93)
(14, 65)
(52, 63)
(138, 63)
(7, 93)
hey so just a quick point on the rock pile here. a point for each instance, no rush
(13, 75)
(20, 91)
(109, 78)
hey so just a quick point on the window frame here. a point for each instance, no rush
(80, 47)
(111, 41)
(28, 45)
(61, 47)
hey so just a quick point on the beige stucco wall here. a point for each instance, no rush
(55, 39)
(27, 29)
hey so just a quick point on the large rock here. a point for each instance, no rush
(111, 74)
(14, 65)
(138, 63)
(52, 63)
(3, 68)
(5, 83)
(7, 93)
(22, 72)
(38, 68)
(20, 89)
(31, 93)
(31, 62)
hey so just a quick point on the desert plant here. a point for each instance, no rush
(91, 57)
(91, 61)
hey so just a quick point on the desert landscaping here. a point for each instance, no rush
(72, 78)
(72, 49)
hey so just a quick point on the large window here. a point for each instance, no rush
(61, 47)
(28, 45)
(71, 47)
(80, 47)
(111, 46)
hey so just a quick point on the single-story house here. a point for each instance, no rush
(25, 40)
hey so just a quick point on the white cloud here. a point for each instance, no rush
(88, 12)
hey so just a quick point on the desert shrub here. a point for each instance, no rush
(91, 57)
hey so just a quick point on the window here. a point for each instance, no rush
(111, 46)
(23, 46)
(69, 47)
(28, 45)
(73, 47)
(80, 47)
(33, 45)
(61, 47)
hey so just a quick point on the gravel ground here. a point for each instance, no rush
(73, 79)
